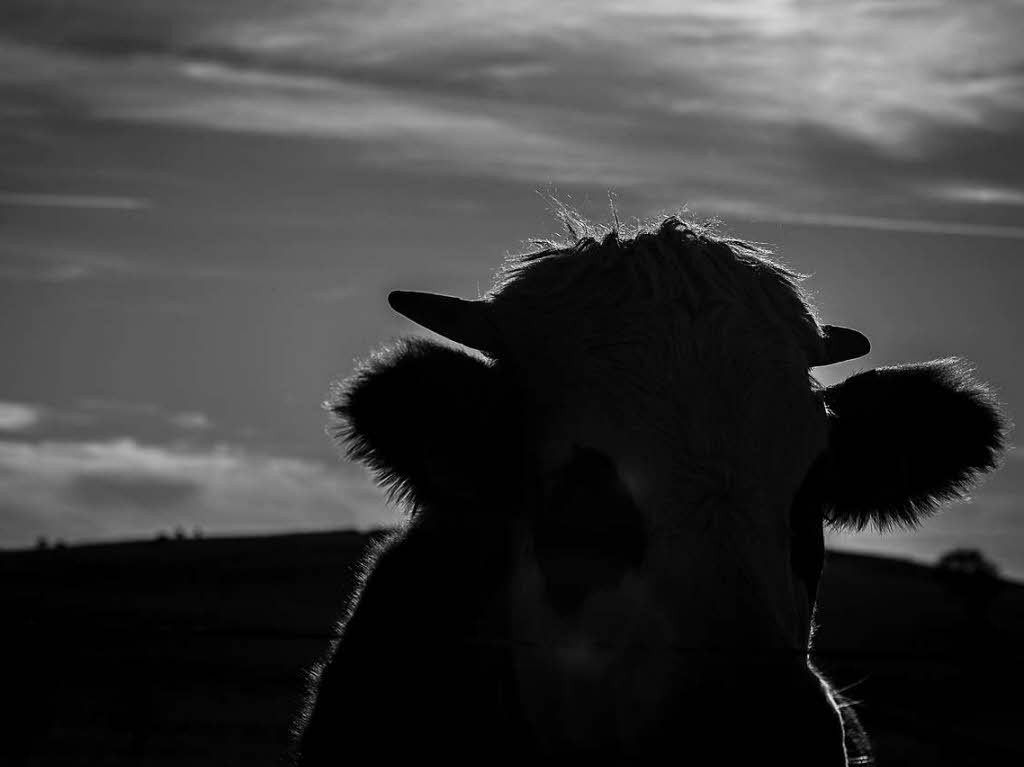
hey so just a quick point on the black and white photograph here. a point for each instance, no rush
(513, 383)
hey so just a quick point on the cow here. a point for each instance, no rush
(618, 478)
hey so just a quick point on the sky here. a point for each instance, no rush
(204, 205)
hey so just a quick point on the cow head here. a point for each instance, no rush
(640, 415)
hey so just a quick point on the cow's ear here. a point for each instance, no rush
(430, 421)
(904, 440)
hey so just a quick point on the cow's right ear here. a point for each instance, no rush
(432, 422)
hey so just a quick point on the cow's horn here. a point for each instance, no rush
(466, 322)
(842, 344)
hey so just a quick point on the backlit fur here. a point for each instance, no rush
(651, 392)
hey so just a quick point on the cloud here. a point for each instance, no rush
(101, 404)
(191, 421)
(137, 413)
(759, 212)
(73, 201)
(883, 73)
(604, 92)
(399, 126)
(17, 416)
(226, 88)
(42, 260)
(122, 488)
(26, 261)
(92, 418)
(978, 194)
(155, 493)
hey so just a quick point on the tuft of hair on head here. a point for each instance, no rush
(579, 228)
(668, 259)
(586, 237)
(613, 210)
(907, 439)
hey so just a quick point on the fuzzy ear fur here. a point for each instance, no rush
(432, 422)
(906, 439)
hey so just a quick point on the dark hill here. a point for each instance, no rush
(191, 652)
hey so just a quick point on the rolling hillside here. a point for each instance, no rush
(191, 652)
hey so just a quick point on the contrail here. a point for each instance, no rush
(915, 226)
(80, 201)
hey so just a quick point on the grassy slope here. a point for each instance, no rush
(192, 652)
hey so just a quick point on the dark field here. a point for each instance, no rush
(191, 652)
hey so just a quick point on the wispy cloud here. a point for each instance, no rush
(17, 416)
(335, 110)
(603, 92)
(97, 419)
(400, 126)
(977, 194)
(122, 488)
(73, 201)
(883, 73)
(191, 421)
(39, 259)
(766, 213)
(915, 226)
(135, 415)
(45, 263)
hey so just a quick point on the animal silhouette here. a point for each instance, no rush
(617, 487)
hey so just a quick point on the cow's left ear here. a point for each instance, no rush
(904, 440)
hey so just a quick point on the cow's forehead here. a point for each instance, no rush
(664, 318)
(671, 344)
(675, 281)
